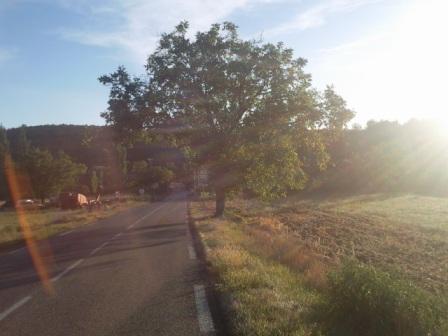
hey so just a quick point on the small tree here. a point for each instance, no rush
(94, 182)
(22, 146)
(122, 156)
(163, 176)
(49, 175)
(137, 172)
(4, 149)
(148, 175)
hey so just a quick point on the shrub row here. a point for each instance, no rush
(361, 300)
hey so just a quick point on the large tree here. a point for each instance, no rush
(250, 111)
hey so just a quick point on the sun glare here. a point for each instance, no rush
(399, 71)
(421, 54)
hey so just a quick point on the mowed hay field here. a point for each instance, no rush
(407, 233)
(279, 265)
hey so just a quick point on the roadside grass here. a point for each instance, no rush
(281, 266)
(48, 222)
(262, 297)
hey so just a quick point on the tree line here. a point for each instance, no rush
(96, 164)
(39, 173)
(384, 156)
(387, 156)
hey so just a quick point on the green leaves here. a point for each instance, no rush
(131, 107)
(362, 300)
(335, 109)
(250, 109)
(271, 169)
(49, 175)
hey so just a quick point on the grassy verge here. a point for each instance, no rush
(282, 270)
(46, 223)
(263, 297)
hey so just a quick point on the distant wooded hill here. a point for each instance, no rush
(383, 157)
(90, 145)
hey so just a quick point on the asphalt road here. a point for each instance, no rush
(132, 274)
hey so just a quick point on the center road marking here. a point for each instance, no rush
(140, 219)
(20, 303)
(204, 316)
(68, 269)
(94, 251)
(15, 306)
(98, 248)
(116, 236)
(16, 250)
(149, 214)
(66, 233)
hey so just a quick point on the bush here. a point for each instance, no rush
(361, 300)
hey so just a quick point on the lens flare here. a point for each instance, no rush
(37, 252)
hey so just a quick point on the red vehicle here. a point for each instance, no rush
(71, 200)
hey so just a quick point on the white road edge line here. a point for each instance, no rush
(66, 233)
(15, 306)
(98, 248)
(204, 316)
(68, 269)
(191, 252)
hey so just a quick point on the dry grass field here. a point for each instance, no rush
(45, 223)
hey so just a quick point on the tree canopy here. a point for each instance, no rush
(248, 107)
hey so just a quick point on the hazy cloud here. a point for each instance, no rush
(137, 24)
(317, 15)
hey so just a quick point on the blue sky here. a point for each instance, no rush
(386, 57)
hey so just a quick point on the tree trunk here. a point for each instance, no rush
(220, 202)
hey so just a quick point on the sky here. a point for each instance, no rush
(387, 58)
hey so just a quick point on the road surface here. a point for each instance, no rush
(135, 273)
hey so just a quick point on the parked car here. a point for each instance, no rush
(27, 201)
(72, 200)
